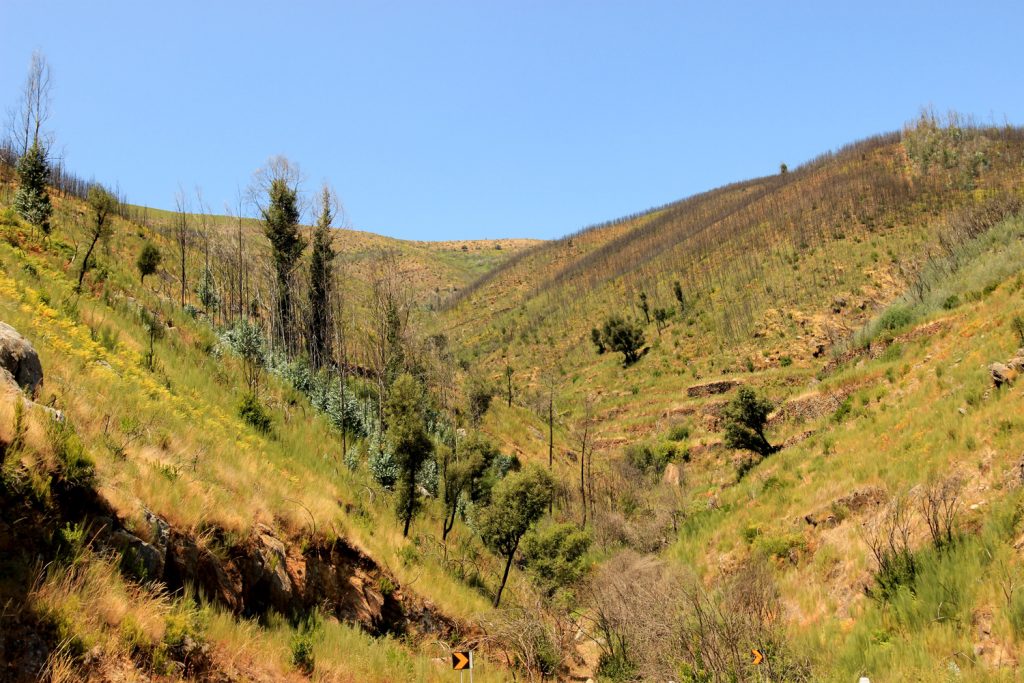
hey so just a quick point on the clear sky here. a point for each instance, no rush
(451, 120)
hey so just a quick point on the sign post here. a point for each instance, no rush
(462, 661)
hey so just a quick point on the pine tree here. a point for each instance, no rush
(321, 282)
(280, 218)
(32, 200)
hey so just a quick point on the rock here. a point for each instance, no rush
(160, 530)
(19, 360)
(1001, 374)
(711, 388)
(673, 474)
(272, 555)
(139, 558)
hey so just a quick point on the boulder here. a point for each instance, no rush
(18, 360)
(1001, 374)
(138, 557)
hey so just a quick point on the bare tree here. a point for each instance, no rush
(184, 235)
(583, 436)
(26, 120)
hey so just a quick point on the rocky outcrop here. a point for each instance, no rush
(1005, 374)
(853, 504)
(711, 388)
(19, 362)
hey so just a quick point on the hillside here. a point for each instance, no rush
(163, 518)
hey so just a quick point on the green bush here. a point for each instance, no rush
(780, 546)
(556, 555)
(254, 414)
(895, 317)
(76, 466)
(650, 459)
(615, 668)
(679, 432)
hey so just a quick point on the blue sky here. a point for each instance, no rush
(453, 120)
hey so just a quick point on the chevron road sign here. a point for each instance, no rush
(462, 660)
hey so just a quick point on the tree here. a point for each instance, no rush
(623, 336)
(276, 192)
(783, 168)
(148, 261)
(508, 380)
(661, 317)
(32, 200)
(518, 502)
(101, 204)
(27, 118)
(154, 330)
(183, 236)
(409, 443)
(645, 307)
(207, 291)
(677, 289)
(246, 340)
(321, 282)
(464, 475)
(598, 340)
(745, 419)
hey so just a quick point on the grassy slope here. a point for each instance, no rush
(198, 465)
(765, 295)
(194, 462)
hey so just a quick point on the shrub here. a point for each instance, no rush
(1017, 325)
(479, 395)
(556, 555)
(650, 459)
(679, 432)
(76, 466)
(254, 414)
(303, 642)
(895, 318)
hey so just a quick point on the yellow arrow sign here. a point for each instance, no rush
(461, 660)
(758, 656)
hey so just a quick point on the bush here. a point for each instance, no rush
(254, 414)
(1017, 325)
(556, 555)
(679, 432)
(895, 318)
(303, 642)
(616, 668)
(479, 395)
(650, 459)
(76, 466)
